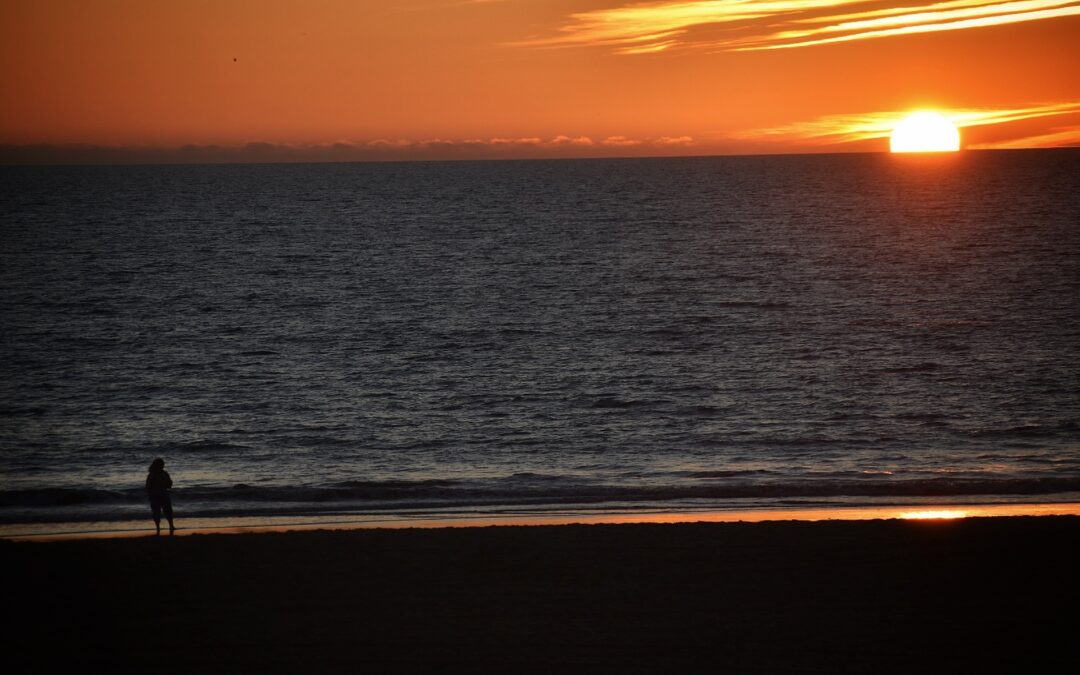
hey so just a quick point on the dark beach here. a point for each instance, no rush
(976, 595)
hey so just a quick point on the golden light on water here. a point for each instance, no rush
(940, 514)
(925, 131)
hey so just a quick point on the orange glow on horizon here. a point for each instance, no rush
(343, 80)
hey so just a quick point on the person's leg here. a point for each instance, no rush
(166, 506)
(155, 509)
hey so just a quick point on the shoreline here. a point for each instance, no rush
(235, 525)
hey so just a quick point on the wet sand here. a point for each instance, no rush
(977, 595)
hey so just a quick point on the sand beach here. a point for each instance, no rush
(973, 595)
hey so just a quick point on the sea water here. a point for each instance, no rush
(486, 337)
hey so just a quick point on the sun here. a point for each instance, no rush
(925, 131)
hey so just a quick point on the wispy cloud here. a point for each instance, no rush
(674, 141)
(751, 25)
(620, 141)
(1059, 137)
(927, 20)
(580, 141)
(560, 141)
(836, 129)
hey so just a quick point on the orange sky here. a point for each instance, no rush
(358, 79)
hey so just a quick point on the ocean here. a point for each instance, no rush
(462, 338)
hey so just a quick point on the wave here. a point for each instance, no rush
(201, 446)
(62, 497)
(729, 474)
(1027, 430)
(752, 304)
(611, 402)
(926, 367)
(536, 489)
(22, 411)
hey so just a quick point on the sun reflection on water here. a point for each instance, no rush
(940, 514)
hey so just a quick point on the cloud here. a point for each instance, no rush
(511, 142)
(677, 140)
(386, 143)
(751, 25)
(379, 149)
(945, 16)
(583, 141)
(1058, 137)
(619, 141)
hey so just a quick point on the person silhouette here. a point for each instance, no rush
(158, 483)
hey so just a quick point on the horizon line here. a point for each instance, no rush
(441, 160)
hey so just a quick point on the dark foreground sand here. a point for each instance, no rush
(969, 596)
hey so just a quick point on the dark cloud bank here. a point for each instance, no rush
(379, 150)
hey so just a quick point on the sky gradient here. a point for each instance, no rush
(239, 80)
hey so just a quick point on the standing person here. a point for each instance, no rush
(158, 483)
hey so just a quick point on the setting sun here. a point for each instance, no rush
(925, 132)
